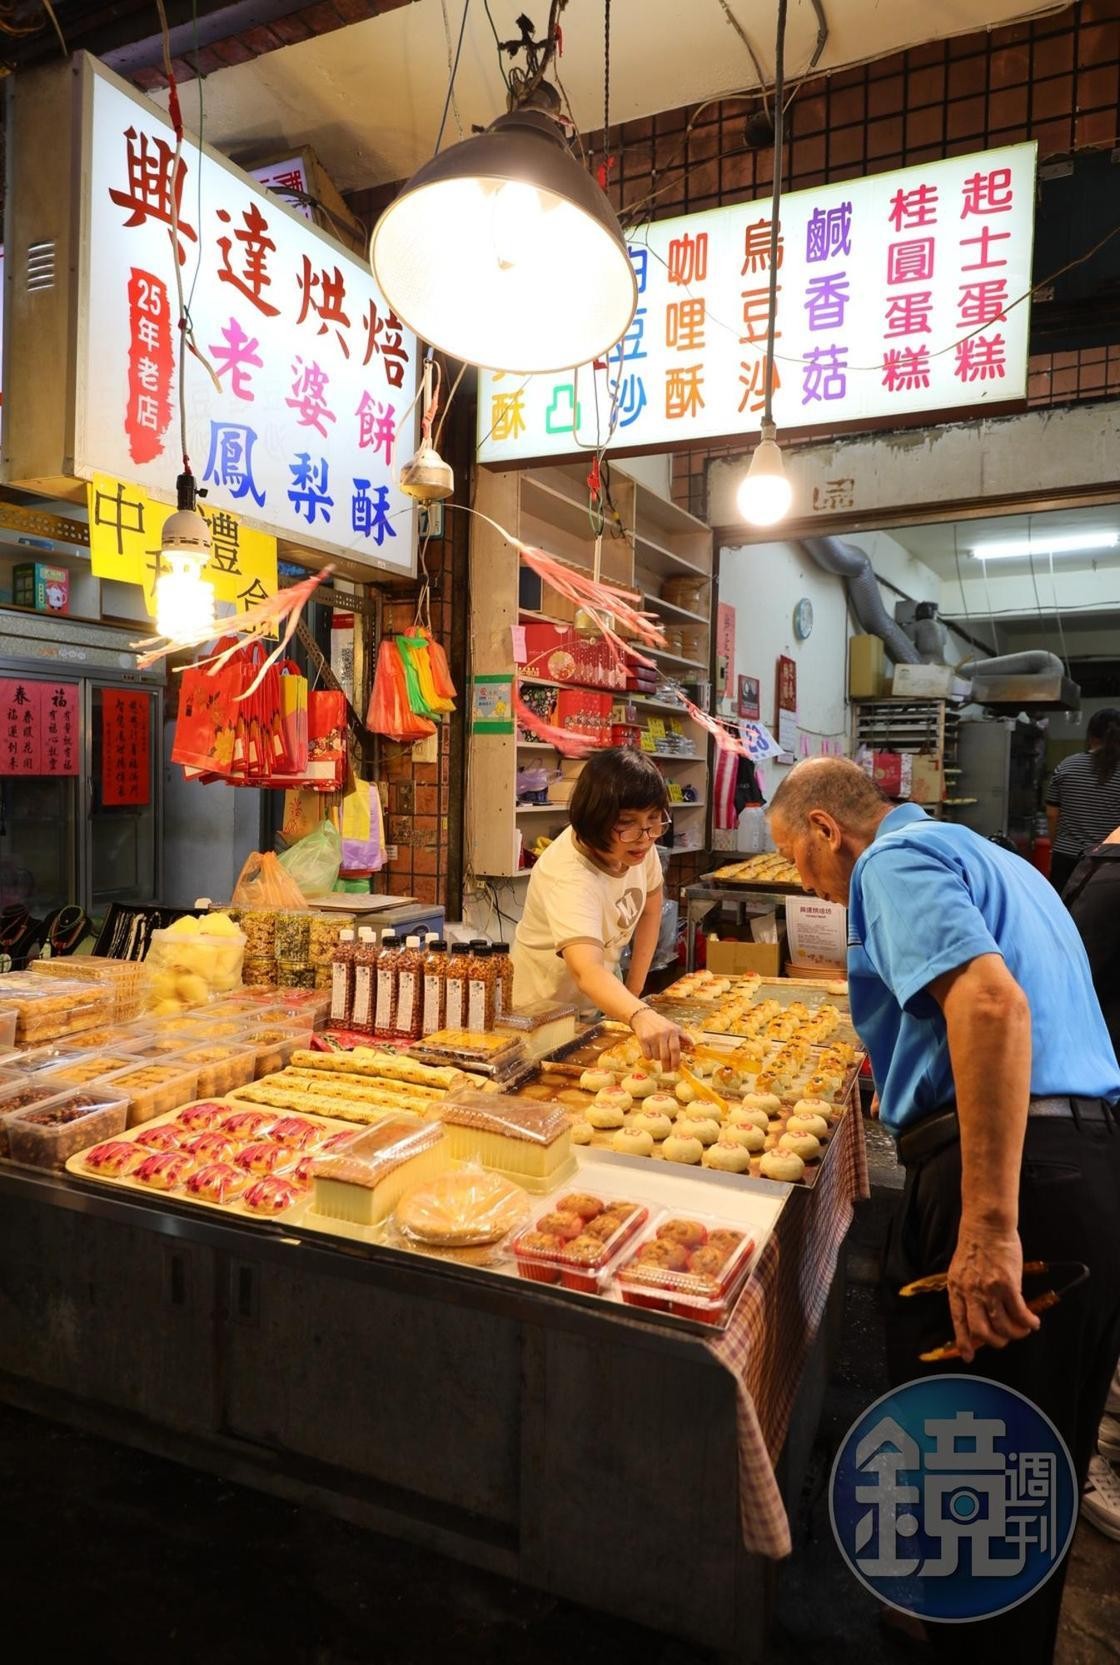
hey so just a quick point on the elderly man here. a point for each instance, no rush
(970, 988)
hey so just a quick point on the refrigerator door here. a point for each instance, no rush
(122, 858)
(984, 750)
(38, 855)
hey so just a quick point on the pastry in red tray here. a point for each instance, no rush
(603, 1226)
(198, 1118)
(581, 1203)
(537, 1254)
(672, 1257)
(561, 1223)
(725, 1239)
(159, 1138)
(709, 1263)
(114, 1158)
(263, 1158)
(217, 1182)
(163, 1170)
(246, 1124)
(294, 1132)
(213, 1146)
(271, 1196)
(690, 1234)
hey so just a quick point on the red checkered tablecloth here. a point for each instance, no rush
(775, 1324)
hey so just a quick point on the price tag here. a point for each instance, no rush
(647, 740)
(676, 792)
(657, 728)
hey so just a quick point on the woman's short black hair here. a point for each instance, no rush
(612, 781)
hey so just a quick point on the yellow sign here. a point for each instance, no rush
(676, 792)
(124, 532)
(647, 741)
(657, 728)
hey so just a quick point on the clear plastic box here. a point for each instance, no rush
(188, 969)
(152, 1088)
(124, 978)
(700, 1273)
(274, 1043)
(557, 1250)
(47, 1135)
(48, 1008)
(222, 1068)
(8, 1023)
(78, 1069)
(299, 1005)
(21, 1092)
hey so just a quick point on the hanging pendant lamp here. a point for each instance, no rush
(503, 252)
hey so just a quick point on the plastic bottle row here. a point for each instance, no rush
(404, 988)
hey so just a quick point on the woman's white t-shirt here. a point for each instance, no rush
(572, 900)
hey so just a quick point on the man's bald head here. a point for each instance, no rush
(823, 816)
(833, 784)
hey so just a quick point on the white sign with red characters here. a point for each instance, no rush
(900, 293)
(307, 427)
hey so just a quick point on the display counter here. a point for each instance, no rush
(564, 1443)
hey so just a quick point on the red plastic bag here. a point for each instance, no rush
(326, 739)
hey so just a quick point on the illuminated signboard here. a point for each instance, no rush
(891, 300)
(306, 428)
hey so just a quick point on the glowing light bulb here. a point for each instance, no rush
(517, 213)
(184, 600)
(765, 494)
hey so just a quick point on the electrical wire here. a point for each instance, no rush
(775, 219)
(450, 69)
(497, 43)
(451, 79)
(1057, 613)
(50, 11)
(751, 53)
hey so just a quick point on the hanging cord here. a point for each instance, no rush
(451, 79)
(447, 404)
(450, 66)
(775, 215)
(751, 53)
(606, 92)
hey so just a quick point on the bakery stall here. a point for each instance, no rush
(455, 1286)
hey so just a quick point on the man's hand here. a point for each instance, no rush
(986, 1290)
(660, 1038)
(874, 1107)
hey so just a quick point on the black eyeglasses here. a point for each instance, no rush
(631, 835)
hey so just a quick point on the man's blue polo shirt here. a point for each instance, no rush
(927, 897)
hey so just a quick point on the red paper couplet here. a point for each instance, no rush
(126, 769)
(58, 728)
(20, 752)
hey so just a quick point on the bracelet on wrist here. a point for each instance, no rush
(640, 1007)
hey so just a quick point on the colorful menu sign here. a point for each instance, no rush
(896, 294)
(126, 767)
(38, 727)
(306, 419)
(125, 525)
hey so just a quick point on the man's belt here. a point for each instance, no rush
(933, 1133)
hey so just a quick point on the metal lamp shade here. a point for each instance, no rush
(503, 252)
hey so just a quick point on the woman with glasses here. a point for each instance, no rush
(596, 888)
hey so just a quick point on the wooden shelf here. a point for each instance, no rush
(665, 562)
(654, 601)
(541, 809)
(675, 659)
(642, 700)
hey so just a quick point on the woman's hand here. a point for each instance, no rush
(660, 1037)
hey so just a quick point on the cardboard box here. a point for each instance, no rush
(728, 958)
(818, 932)
(867, 668)
(929, 682)
(47, 589)
(927, 781)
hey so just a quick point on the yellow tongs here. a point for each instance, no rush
(1076, 1273)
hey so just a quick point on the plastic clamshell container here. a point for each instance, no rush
(9, 1021)
(154, 1049)
(526, 1140)
(202, 1026)
(153, 1088)
(21, 1092)
(47, 1135)
(274, 1042)
(363, 1181)
(81, 1068)
(586, 1260)
(48, 1008)
(299, 1006)
(706, 1287)
(221, 1068)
